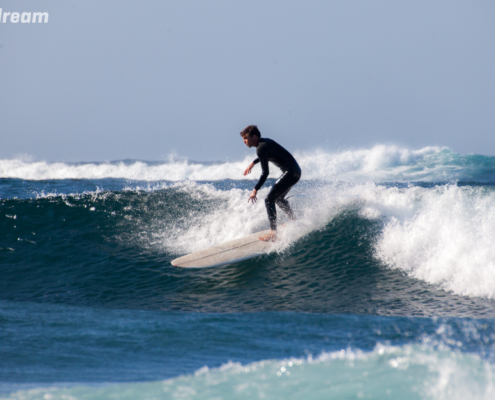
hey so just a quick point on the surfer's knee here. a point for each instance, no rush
(270, 209)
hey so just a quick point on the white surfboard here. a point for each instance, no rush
(226, 253)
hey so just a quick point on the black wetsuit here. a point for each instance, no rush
(269, 150)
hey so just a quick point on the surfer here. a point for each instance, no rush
(269, 150)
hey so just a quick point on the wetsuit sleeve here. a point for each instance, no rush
(256, 161)
(263, 158)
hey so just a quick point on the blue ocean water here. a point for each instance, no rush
(383, 288)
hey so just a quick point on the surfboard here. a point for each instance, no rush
(226, 253)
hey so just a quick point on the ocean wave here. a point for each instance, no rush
(443, 236)
(440, 235)
(380, 163)
(406, 372)
(359, 239)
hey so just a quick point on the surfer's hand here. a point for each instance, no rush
(248, 169)
(253, 196)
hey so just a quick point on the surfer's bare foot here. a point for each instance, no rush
(271, 237)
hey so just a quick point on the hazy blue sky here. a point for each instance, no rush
(116, 79)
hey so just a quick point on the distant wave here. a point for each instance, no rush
(379, 164)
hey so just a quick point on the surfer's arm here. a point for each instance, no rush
(264, 174)
(248, 169)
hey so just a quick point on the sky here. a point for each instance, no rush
(118, 79)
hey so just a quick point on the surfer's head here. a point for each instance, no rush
(251, 130)
(251, 135)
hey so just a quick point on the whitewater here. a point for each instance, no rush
(383, 287)
(380, 163)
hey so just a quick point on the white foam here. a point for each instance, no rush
(443, 236)
(226, 215)
(379, 163)
(138, 170)
(231, 217)
(405, 372)
(387, 371)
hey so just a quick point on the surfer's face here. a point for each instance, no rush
(250, 141)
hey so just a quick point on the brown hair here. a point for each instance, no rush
(251, 130)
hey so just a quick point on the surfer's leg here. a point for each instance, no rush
(272, 212)
(277, 196)
(286, 182)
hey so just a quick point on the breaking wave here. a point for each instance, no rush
(379, 164)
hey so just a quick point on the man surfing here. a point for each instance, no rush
(269, 150)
